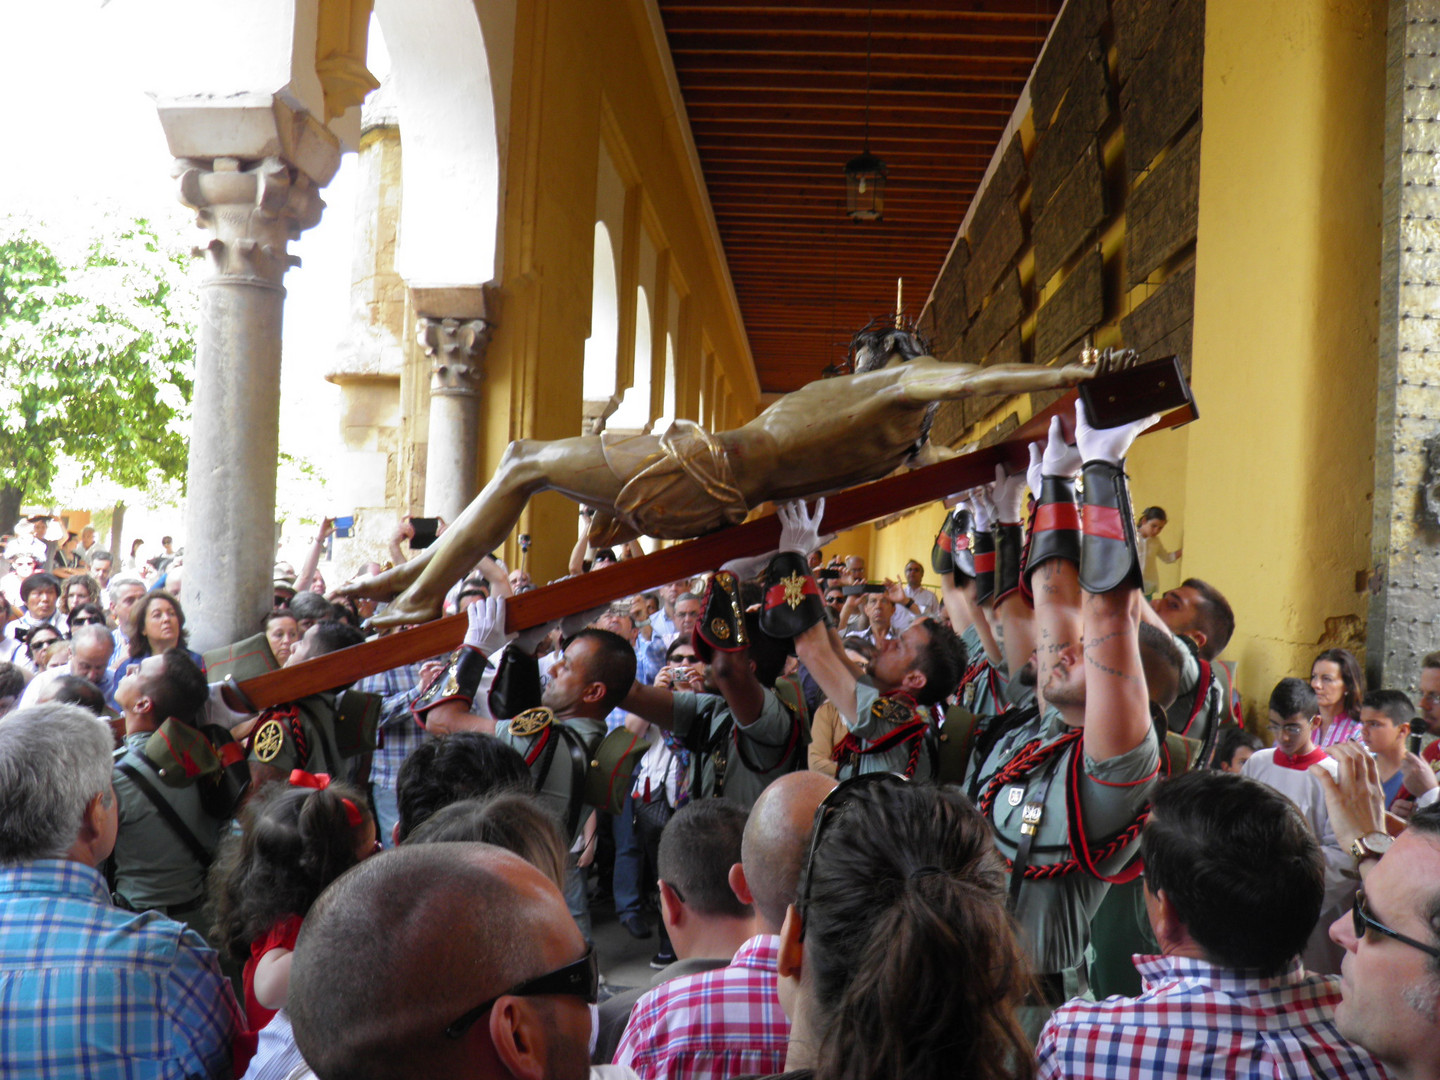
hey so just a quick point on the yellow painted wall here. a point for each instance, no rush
(1278, 474)
(576, 60)
(1158, 467)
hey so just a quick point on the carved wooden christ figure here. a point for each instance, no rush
(828, 435)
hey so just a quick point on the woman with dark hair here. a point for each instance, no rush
(898, 957)
(1339, 686)
(86, 614)
(282, 631)
(156, 625)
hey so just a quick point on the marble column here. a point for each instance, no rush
(453, 326)
(252, 208)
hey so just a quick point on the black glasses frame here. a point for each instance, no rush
(1365, 920)
(580, 979)
(838, 797)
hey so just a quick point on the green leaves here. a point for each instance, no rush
(96, 358)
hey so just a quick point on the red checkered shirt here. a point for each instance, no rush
(711, 1026)
(1198, 1020)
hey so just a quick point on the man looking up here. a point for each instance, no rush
(883, 711)
(458, 960)
(1065, 795)
(1234, 879)
(90, 989)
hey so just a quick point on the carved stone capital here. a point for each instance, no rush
(254, 209)
(456, 349)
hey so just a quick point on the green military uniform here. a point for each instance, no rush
(1055, 913)
(300, 735)
(1201, 722)
(876, 716)
(555, 783)
(153, 867)
(754, 755)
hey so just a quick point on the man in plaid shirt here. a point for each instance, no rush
(86, 989)
(729, 1022)
(1234, 880)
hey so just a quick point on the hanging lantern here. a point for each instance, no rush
(865, 187)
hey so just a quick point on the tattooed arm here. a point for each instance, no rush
(1117, 708)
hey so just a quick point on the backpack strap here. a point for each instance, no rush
(167, 813)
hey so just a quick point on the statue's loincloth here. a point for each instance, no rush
(679, 485)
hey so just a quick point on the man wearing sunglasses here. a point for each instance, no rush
(443, 960)
(1390, 977)
(90, 650)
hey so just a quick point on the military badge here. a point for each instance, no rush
(269, 741)
(532, 721)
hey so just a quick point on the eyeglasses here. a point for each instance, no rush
(580, 979)
(1430, 697)
(841, 794)
(86, 621)
(1363, 920)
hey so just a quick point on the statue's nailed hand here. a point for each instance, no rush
(799, 528)
(1106, 444)
(486, 632)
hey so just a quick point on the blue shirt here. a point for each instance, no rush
(88, 990)
(398, 732)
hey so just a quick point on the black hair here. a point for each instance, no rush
(1426, 823)
(39, 581)
(856, 643)
(513, 819)
(313, 606)
(679, 642)
(331, 635)
(1393, 703)
(1239, 863)
(180, 690)
(12, 680)
(88, 608)
(1293, 697)
(294, 841)
(1350, 675)
(135, 628)
(942, 663)
(883, 341)
(697, 849)
(1215, 617)
(280, 612)
(1431, 660)
(612, 662)
(905, 890)
(464, 765)
(1152, 513)
(1231, 740)
(73, 690)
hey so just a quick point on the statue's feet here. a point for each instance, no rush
(382, 586)
(406, 610)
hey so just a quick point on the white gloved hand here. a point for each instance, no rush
(984, 509)
(570, 625)
(1106, 444)
(487, 625)
(799, 529)
(1034, 473)
(1009, 496)
(527, 641)
(1060, 458)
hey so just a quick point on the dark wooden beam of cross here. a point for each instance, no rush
(844, 510)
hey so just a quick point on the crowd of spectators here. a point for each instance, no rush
(1000, 818)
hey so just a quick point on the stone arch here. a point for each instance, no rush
(602, 346)
(634, 411)
(451, 62)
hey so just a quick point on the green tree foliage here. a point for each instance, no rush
(96, 358)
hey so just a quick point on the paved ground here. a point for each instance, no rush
(624, 961)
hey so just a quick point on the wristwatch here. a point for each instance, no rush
(1371, 846)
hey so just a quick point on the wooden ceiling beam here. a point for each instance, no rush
(741, 59)
(971, 9)
(945, 96)
(848, 113)
(952, 80)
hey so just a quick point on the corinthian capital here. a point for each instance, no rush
(456, 348)
(254, 209)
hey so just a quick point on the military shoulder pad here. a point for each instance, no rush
(792, 599)
(722, 618)
(181, 754)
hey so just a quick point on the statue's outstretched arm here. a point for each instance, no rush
(947, 382)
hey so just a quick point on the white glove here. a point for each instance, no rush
(1009, 496)
(984, 509)
(799, 529)
(570, 625)
(1034, 473)
(748, 568)
(1106, 444)
(527, 641)
(1060, 458)
(487, 625)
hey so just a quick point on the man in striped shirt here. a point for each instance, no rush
(1234, 880)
